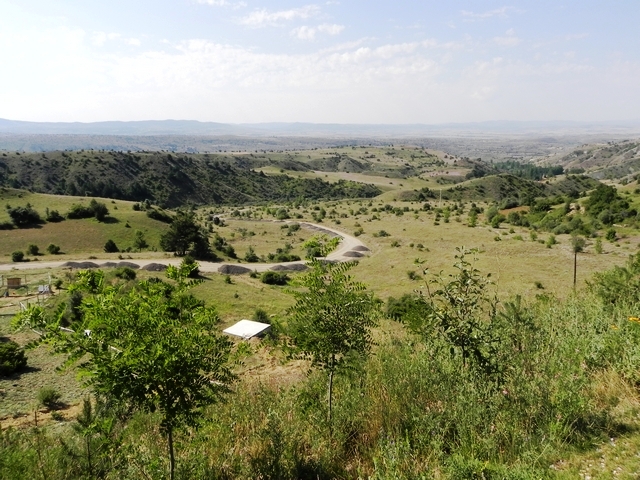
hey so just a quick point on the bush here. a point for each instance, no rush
(189, 260)
(274, 278)
(17, 256)
(125, 273)
(33, 249)
(49, 397)
(611, 235)
(53, 216)
(12, 357)
(53, 249)
(160, 216)
(23, 216)
(111, 247)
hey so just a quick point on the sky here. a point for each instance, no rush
(347, 61)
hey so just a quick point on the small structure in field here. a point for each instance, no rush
(248, 329)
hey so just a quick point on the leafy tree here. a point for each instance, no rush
(111, 247)
(99, 210)
(12, 357)
(53, 249)
(461, 312)
(17, 256)
(153, 348)
(24, 216)
(139, 241)
(331, 321)
(33, 249)
(185, 235)
(251, 256)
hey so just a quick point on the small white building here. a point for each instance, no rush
(248, 329)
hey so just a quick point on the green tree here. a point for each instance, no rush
(24, 216)
(111, 247)
(184, 235)
(577, 246)
(153, 348)
(331, 321)
(460, 311)
(139, 242)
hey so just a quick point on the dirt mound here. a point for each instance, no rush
(360, 248)
(293, 267)
(109, 265)
(135, 266)
(81, 265)
(233, 270)
(155, 267)
(353, 254)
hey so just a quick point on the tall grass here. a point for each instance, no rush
(412, 410)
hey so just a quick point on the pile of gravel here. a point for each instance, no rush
(353, 254)
(155, 267)
(360, 248)
(135, 266)
(233, 270)
(292, 267)
(81, 265)
(109, 265)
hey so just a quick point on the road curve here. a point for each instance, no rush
(349, 248)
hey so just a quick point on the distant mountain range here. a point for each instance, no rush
(192, 127)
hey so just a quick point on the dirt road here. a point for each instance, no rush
(350, 248)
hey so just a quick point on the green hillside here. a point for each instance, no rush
(166, 179)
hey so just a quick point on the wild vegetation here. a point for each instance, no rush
(502, 363)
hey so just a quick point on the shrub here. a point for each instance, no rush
(53, 216)
(23, 216)
(12, 357)
(251, 256)
(274, 278)
(33, 249)
(189, 260)
(48, 397)
(6, 226)
(160, 216)
(53, 249)
(17, 256)
(611, 235)
(111, 247)
(126, 273)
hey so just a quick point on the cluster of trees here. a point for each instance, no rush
(26, 216)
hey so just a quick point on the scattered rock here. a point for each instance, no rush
(155, 267)
(233, 270)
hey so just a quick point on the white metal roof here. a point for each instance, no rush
(247, 329)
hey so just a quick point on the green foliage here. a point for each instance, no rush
(184, 235)
(111, 247)
(159, 215)
(611, 235)
(12, 357)
(53, 249)
(96, 209)
(251, 255)
(33, 249)
(125, 273)
(17, 256)
(274, 278)
(154, 347)
(598, 246)
(24, 216)
(320, 246)
(190, 266)
(139, 242)
(331, 321)
(49, 397)
(53, 216)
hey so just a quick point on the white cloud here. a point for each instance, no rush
(330, 29)
(509, 40)
(263, 18)
(222, 3)
(498, 12)
(305, 32)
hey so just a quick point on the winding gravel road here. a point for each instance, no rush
(350, 248)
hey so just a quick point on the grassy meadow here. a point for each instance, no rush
(571, 404)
